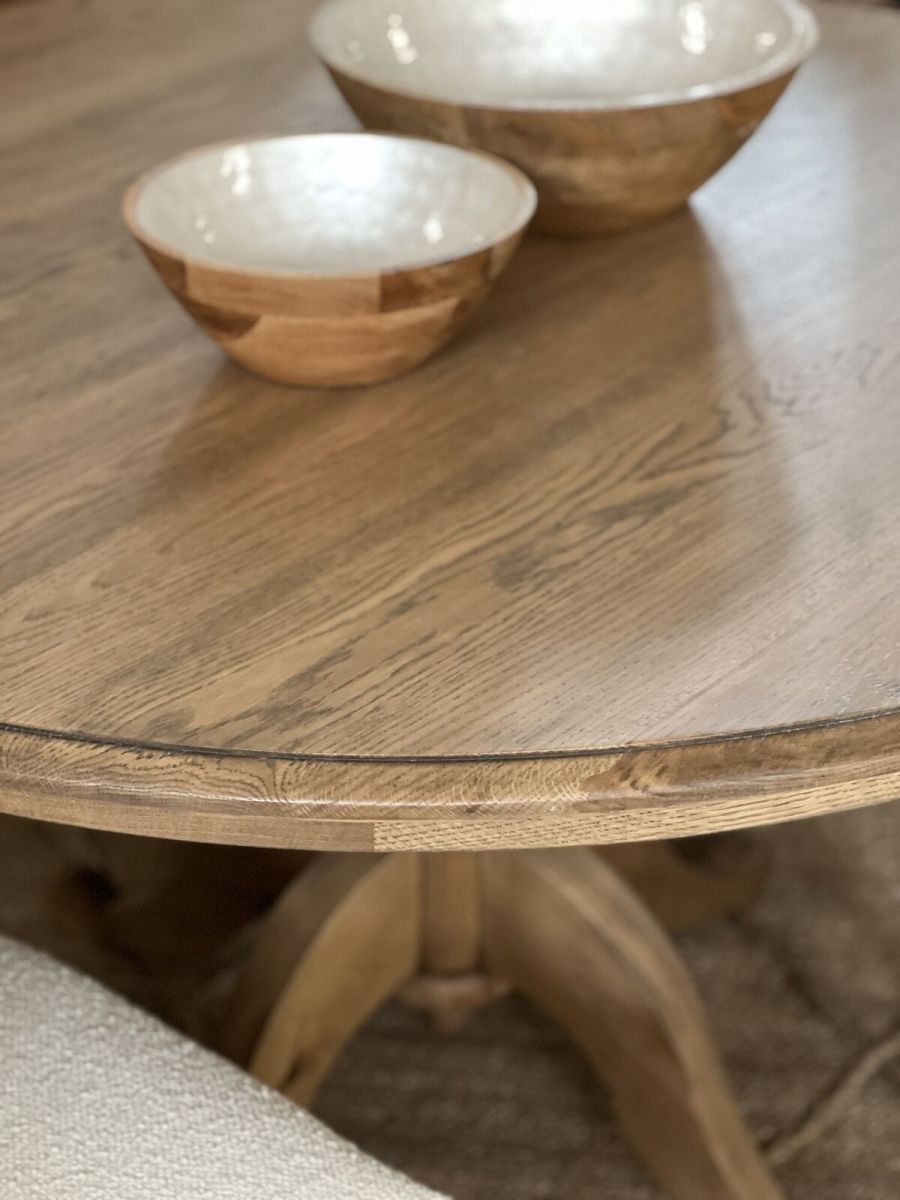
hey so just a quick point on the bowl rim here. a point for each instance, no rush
(131, 196)
(804, 24)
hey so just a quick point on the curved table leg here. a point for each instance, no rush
(678, 893)
(343, 938)
(568, 933)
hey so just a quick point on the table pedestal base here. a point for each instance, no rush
(449, 932)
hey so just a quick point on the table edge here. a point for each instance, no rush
(621, 794)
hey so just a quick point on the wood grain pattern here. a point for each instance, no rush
(595, 171)
(649, 500)
(320, 803)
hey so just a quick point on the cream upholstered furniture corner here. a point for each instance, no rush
(100, 1101)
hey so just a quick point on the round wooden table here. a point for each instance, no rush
(622, 564)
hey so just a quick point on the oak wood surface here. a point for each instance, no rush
(648, 498)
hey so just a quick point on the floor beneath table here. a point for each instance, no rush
(800, 989)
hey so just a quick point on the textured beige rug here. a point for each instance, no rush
(804, 992)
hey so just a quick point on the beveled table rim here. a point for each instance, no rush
(315, 801)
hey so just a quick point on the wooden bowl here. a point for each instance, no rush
(617, 109)
(330, 259)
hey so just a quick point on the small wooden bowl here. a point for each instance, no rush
(617, 109)
(330, 260)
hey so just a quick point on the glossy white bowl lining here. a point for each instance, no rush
(563, 53)
(330, 204)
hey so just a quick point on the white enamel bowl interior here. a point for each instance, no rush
(330, 204)
(563, 53)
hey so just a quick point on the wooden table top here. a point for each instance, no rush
(648, 499)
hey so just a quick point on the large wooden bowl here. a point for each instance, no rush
(330, 259)
(617, 109)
